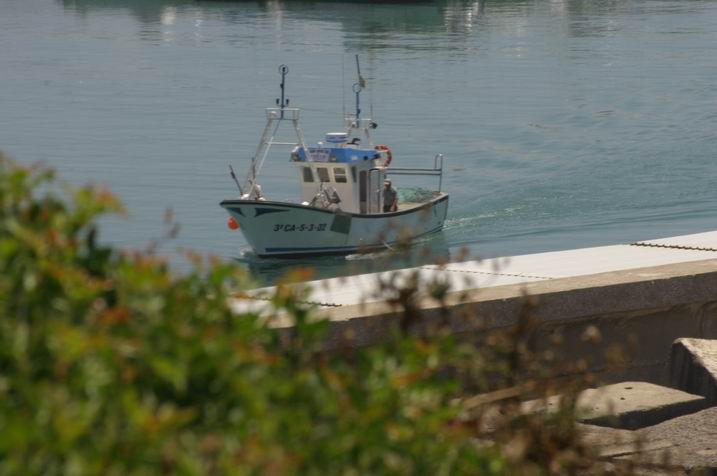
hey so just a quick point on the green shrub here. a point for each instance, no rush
(112, 364)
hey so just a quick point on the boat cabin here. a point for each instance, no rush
(341, 174)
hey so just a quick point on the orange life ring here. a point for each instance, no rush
(387, 149)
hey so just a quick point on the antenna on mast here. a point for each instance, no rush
(284, 70)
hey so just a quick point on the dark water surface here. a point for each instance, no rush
(565, 123)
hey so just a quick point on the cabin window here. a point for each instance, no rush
(323, 174)
(353, 174)
(340, 175)
(308, 175)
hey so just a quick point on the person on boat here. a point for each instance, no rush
(390, 197)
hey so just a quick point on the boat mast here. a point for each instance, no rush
(357, 87)
(274, 117)
(284, 70)
(355, 121)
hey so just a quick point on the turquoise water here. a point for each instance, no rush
(564, 124)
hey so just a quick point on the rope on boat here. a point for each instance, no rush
(674, 247)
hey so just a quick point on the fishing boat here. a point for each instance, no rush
(343, 204)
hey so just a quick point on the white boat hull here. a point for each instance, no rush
(291, 230)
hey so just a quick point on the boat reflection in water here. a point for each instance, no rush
(423, 251)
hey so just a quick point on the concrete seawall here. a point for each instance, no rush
(641, 297)
(642, 310)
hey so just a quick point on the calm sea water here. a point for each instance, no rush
(565, 123)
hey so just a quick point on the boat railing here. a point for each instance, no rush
(437, 170)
